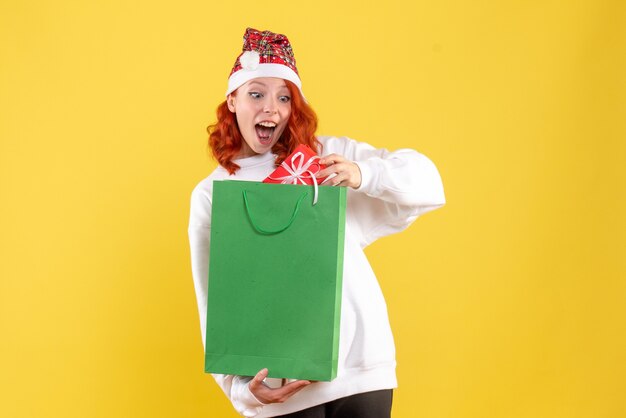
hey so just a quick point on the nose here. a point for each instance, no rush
(270, 106)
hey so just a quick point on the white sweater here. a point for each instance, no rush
(396, 188)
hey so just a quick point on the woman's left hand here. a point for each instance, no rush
(346, 172)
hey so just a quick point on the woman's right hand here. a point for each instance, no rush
(269, 395)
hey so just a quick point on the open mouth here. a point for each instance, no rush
(265, 132)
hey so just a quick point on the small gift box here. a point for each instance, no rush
(298, 168)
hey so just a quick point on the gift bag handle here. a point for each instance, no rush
(278, 231)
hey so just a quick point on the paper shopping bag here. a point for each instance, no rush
(275, 275)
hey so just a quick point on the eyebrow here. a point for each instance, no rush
(265, 85)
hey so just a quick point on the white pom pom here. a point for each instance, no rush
(249, 60)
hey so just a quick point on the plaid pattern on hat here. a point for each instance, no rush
(273, 48)
(264, 54)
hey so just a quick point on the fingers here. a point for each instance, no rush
(331, 159)
(261, 375)
(339, 171)
(293, 387)
(258, 379)
(290, 389)
(335, 164)
(266, 394)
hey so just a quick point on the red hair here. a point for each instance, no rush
(225, 139)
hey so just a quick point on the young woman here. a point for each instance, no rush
(263, 119)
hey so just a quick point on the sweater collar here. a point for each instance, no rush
(256, 160)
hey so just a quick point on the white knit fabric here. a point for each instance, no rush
(396, 188)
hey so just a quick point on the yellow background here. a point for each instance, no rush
(508, 302)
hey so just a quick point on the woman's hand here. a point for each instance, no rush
(343, 172)
(268, 395)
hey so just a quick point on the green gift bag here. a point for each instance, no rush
(275, 274)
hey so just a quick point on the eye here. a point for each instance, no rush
(284, 99)
(255, 95)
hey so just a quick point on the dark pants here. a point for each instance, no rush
(375, 404)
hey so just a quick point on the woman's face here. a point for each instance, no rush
(262, 107)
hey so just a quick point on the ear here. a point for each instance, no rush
(230, 102)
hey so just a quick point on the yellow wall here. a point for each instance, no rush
(508, 302)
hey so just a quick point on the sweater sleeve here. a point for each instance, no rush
(235, 387)
(396, 187)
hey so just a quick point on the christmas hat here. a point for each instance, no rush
(264, 54)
